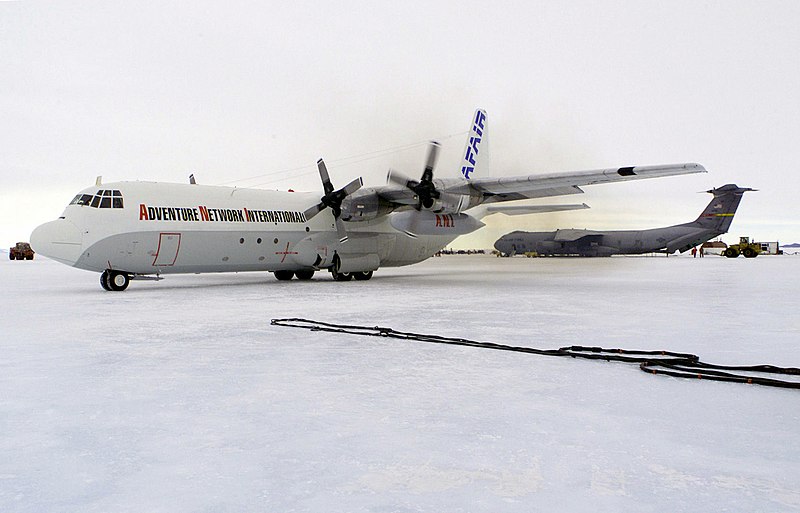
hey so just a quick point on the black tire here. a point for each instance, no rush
(731, 253)
(11, 256)
(305, 274)
(284, 275)
(104, 281)
(118, 281)
(362, 276)
(749, 253)
(337, 276)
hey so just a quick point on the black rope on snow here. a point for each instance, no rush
(667, 363)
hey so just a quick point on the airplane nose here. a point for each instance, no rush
(59, 240)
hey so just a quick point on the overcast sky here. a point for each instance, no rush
(252, 93)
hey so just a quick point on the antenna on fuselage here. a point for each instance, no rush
(99, 180)
(191, 179)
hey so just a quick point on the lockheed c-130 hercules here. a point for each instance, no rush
(142, 230)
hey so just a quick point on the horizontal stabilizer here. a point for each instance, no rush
(516, 210)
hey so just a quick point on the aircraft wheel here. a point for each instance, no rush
(104, 281)
(749, 253)
(284, 275)
(304, 274)
(337, 276)
(362, 276)
(118, 281)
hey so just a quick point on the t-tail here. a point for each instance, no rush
(475, 160)
(718, 215)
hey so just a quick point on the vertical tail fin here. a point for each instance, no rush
(477, 143)
(719, 213)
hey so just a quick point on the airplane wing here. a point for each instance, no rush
(559, 184)
(516, 210)
(493, 190)
(571, 235)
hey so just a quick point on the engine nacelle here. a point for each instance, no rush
(448, 203)
(363, 205)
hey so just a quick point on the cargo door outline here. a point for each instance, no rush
(168, 246)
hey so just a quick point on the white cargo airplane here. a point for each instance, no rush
(141, 230)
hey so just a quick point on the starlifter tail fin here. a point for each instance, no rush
(719, 213)
(475, 156)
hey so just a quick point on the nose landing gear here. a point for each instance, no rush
(115, 281)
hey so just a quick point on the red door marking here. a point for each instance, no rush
(285, 252)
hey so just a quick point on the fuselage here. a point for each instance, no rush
(159, 228)
(617, 242)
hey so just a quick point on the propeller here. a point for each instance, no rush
(333, 199)
(424, 188)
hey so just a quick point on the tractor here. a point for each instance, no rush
(745, 247)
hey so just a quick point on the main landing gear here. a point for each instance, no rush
(302, 275)
(116, 281)
(359, 276)
(307, 274)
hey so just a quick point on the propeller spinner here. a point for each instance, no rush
(333, 199)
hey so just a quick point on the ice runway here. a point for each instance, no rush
(179, 395)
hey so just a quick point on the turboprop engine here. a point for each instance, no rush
(364, 205)
(448, 203)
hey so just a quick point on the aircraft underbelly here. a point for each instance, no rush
(187, 251)
(176, 252)
(412, 250)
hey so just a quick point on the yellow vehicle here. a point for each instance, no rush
(22, 251)
(745, 247)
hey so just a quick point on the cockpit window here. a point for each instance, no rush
(103, 199)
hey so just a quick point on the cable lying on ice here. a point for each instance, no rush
(668, 363)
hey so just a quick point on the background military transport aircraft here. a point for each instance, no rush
(712, 222)
(141, 230)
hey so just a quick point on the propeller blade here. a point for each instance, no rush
(326, 179)
(430, 163)
(312, 211)
(353, 186)
(340, 230)
(400, 179)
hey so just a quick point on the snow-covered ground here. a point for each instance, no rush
(179, 396)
